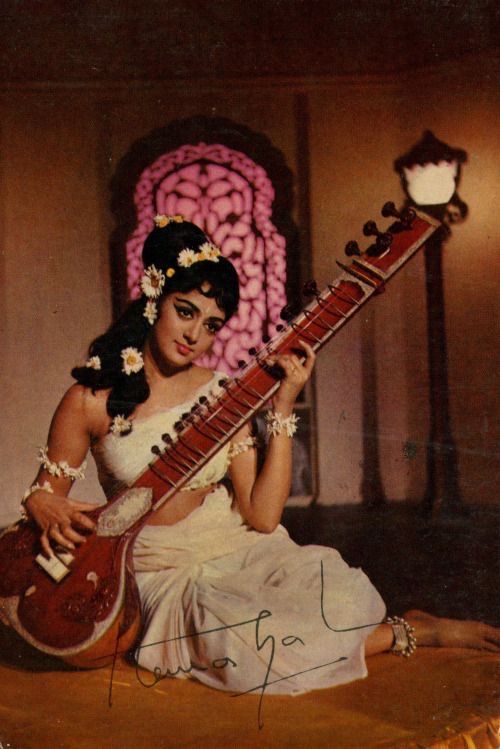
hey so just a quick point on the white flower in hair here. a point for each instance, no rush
(161, 220)
(150, 312)
(186, 258)
(132, 360)
(93, 363)
(152, 282)
(120, 425)
(209, 251)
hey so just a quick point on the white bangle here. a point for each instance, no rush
(276, 424)
(45, 487)
(60, 468)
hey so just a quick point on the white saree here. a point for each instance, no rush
(237, 609)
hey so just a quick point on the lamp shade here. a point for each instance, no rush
(430, 171)
(431, 184)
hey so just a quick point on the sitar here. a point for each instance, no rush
(82, 606)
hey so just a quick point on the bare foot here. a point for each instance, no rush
(433, 631)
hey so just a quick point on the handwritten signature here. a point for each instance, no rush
(261, 642)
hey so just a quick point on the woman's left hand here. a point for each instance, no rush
(297, 371)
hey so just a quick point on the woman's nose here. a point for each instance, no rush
(192, 331)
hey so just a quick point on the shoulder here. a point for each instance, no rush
(82, 398)
(89, 407)
(204, 376)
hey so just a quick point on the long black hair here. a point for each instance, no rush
(217, 280)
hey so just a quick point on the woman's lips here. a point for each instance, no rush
(184, 350)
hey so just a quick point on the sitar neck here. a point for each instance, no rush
(213, 421)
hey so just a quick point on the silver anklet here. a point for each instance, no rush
(405, 642)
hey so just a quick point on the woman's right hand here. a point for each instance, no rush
(57, 516)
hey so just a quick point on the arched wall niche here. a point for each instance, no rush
(235, 185)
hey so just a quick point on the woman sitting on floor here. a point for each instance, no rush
(211, 561)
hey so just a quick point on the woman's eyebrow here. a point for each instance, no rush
(186, 301)
(197, 309)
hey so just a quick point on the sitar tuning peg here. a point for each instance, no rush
(383, 240)
(310, 288)
(352, 248)
(389, 209)
(370, 229)
(179, 426)
(289, 311)
(241, 363)
(405, 217)
(266, 338)
(408, 217)
(167, 439)
(252, 351)
(156, 450)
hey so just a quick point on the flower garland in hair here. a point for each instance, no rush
(208, 251)
(132, 360)
(150, 312)
(152, 283)
(93, 363)
(162, 221)
(153, 280)
(120, 425)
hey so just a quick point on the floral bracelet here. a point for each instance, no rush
(45, 487)
(60, 468)
(276, 424)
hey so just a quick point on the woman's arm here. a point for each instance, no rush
(261, 498)
(68, 441)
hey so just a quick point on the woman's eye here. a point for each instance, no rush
(184, 312)
(213, 328)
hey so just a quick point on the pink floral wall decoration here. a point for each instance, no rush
(229, 197)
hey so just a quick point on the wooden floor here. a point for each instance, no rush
(434, 699)
(403, 703)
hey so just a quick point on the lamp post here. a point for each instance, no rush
(430, 173)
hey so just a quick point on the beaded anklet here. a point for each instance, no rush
(405, 642)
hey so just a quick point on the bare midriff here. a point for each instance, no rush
(180, 506)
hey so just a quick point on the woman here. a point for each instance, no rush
(226, 596)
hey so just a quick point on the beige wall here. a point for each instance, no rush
(59, 148)
(357, 132)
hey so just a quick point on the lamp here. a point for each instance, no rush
(430, 173)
